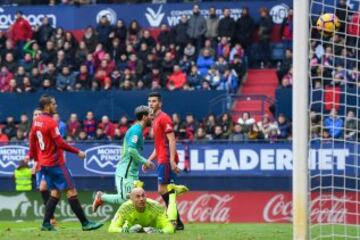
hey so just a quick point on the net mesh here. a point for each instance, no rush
(334, 173)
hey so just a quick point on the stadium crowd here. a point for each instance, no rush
(198, 53)
(186, 129)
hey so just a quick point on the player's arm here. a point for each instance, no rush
(32, 148)
(118, 223)
(55, 135)
(133, 147)
(172, 146)
(153, 156)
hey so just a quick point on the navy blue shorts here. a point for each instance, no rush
(58, 177)
(165, 174)
(39, 177)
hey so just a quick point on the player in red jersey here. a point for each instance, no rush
(47, 146)
(165, 152)
(40, 178)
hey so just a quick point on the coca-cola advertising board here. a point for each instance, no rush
(219, 207)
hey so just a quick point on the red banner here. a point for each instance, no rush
(261, 207)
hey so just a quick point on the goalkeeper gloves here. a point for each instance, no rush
(152, 230)
(135, 229)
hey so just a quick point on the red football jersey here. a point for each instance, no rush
(46, 144)
(162, 125)
(34, 150)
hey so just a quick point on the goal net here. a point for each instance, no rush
(334, 110)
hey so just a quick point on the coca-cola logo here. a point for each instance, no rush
(326, 208)
(206, 207)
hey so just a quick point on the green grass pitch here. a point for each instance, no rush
(71, 230)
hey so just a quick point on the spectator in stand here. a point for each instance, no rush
(50, 73)
(83, 79)
(244, 30)
(107, 127)
(176, 122)
(100, 135)
(66, 80)
(73, 126)
(255, 133)
(82, 136)
(89, 125)
(9, 48)
(19, 137)
(24, 124)
(45, 31)
(285, 83)
(287, 30)
(190, 125)
(197, 28)
(49, 54)
(13, 88)
(103, 30)
(226, 26)
(26, 85)
(123, 125)
(58, 38)
(265, 29)
(218, 133)
(36, 78)
(81, 54)
(204, 62)
(134, 32)
(334, 124)
(351, 126)
(266, 125)
(286, 65)
(180, 32)
(237, 133)
(165, 38)
(5, 77)
(120, 31)
(354, 30)
(201, 135)
(209, 124)
(177, 79)
(167, 65)
(208, 45)
(284, 127)
(90, 38)
(190, 51)
(226, 122)
(4, 139)
(10, 127)
(20, 32)
(223, 48)
(212, 25)
(246, 122)
(10, 63)
(195, 78)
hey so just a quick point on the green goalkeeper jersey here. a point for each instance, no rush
(153, 216)
(131, 159)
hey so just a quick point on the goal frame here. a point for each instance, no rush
(300, 118)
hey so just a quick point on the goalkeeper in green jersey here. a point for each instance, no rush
(140, 214)
(127, 170)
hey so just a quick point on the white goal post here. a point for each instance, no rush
(300, 120)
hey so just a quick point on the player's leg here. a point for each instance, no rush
(123, 188)
(65, 183)
(166, 177)
(44, 192)
(52, 201)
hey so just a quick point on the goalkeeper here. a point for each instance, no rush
(127, 171)
(140, 214)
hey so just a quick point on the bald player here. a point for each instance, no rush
(141, 214)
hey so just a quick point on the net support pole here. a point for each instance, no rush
(300, 120)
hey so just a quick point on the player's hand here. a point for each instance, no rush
(26, 159)
(174, 167)
(149, 165)
(81, 154)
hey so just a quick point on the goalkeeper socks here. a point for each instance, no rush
(77, 209)
(172, 208)
(50, 209)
